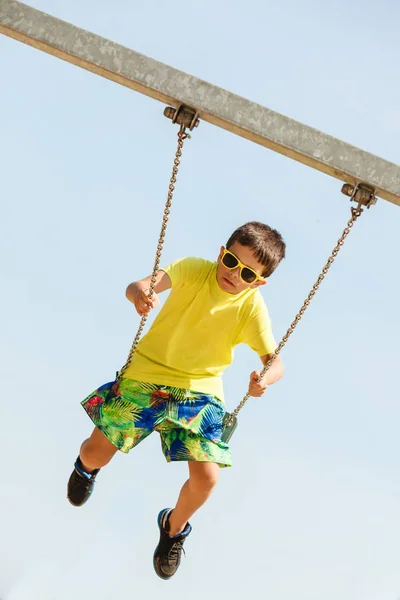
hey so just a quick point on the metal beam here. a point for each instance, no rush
(215, 105)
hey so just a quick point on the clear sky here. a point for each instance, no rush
(310, 510)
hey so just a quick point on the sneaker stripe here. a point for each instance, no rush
(82, 472)
(185, 532)
(79, 467)
(164, 517)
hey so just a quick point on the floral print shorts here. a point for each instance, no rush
(189, 423)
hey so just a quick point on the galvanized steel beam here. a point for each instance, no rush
(215, 105)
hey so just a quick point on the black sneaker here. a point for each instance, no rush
(167, 555)
(80, 484)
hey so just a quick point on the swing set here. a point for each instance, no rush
(365, 176)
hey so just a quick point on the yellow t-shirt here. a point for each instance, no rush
(191, 341)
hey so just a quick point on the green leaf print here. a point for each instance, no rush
(179, 394)
(147, 388)
(120, 412)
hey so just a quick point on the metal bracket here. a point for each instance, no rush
(361, 193)
(183, 115)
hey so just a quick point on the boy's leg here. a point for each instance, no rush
(174, 524)
(95, 452)
(203, 477)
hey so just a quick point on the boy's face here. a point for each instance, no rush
(229, 280)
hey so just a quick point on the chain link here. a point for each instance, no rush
(182, 136)
(355, 213)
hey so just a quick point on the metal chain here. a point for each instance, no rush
(182, 136)
(355, 212)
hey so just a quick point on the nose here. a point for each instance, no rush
(236, 272)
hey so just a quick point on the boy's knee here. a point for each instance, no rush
(96, 455)
(205, 479)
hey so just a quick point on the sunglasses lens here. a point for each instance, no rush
(248, 275)
(230, 261)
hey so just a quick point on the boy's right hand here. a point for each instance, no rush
(137, 292)
(143, 303)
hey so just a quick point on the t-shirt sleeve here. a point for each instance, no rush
(257, 331)
(185, 271)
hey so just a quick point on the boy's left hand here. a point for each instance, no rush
(257, 388)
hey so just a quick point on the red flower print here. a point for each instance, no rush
(94, 401)
(158, 397)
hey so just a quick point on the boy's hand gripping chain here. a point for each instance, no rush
(365, 197)
(186, 118)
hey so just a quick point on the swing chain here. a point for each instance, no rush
(182, 136)
(355, 214)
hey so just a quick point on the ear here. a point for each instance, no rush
(259, 283)
(220, 254)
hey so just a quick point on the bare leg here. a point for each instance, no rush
(203, 477)
(96, 451)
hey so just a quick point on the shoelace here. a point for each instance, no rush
(176, 549)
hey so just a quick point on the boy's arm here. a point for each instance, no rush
(137, 292)
(274, 373)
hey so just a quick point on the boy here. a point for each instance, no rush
(174, 381)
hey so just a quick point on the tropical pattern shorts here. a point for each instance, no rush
(189, 423)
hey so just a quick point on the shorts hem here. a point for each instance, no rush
(222, 465)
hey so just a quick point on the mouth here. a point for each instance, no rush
(229, 282)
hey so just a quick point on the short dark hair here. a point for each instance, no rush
(267, 244)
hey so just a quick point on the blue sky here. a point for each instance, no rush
(310, 508)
